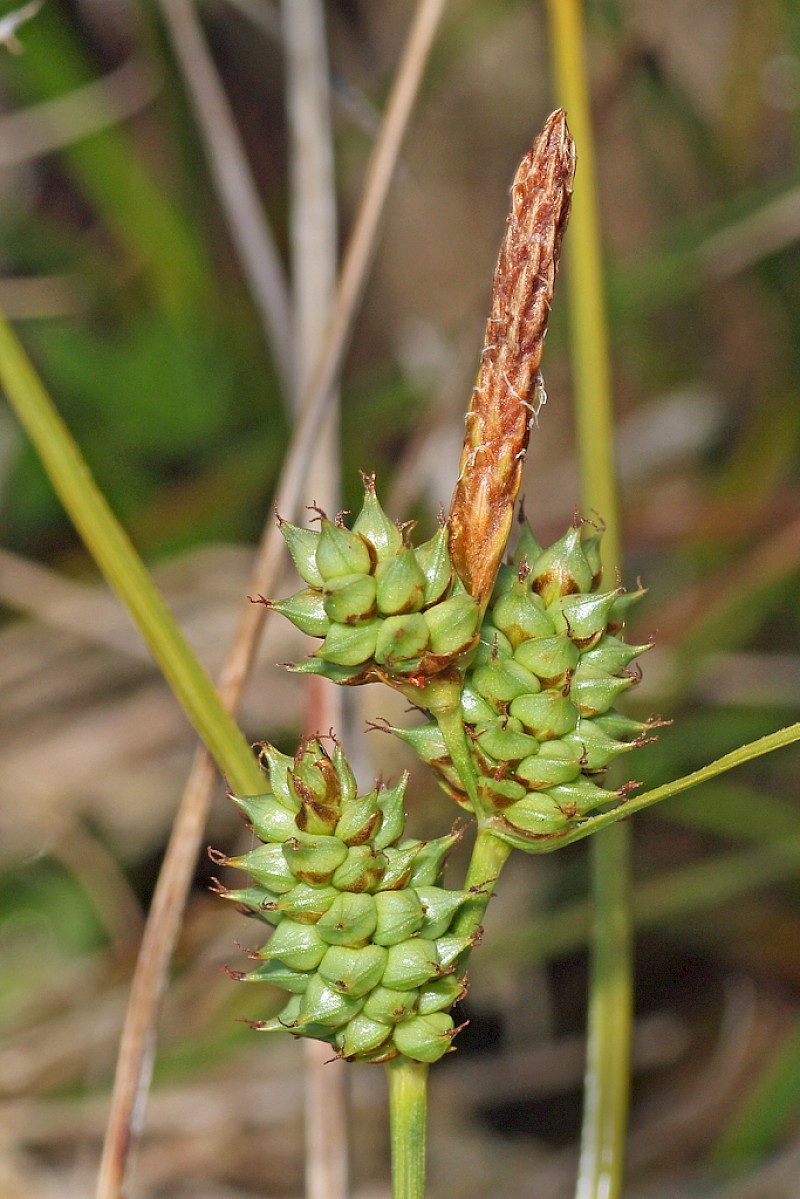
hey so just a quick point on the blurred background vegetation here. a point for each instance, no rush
(117, 269)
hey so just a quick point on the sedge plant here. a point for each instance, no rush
(513, 653)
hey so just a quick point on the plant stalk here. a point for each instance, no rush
(408, 1104)
(611, 978)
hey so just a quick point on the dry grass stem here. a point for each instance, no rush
(508, 393)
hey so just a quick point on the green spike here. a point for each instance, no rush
(391, 801)
(621, 607)
(425, 1038)
(550, 658)
(561, 569)
(362, 869)
(401, 585)
(429, 860)
(306, 611)
(527, 546)
(520, 614)
(341, 552)
(271, 820)
(453, 625)
(360, 820)
(390, 1004)
(502, 681)
(298, 946)
(439, 906)
(596, 748)
(323, 1005)
(503, 740)
(401, 640)
(411, 963)
(594, 691)
(400, 915)
(440, 995)
(401, 863)
(350, 645)
(433, 559)
(348, 788)
(556, 762)
(612, 654)
(362, 1036)
(279, 975)
(350, 599)
(583, 617)
(374, 525)
(313, 860)
(492, 645)
(278, 766)
(350, 920)
(302, 545)
(546, 715)
(306, 904)
(268, 866)
(353, 972)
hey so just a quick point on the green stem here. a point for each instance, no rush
(611, 980)
(111, 549)
(408, 1107)
(489, 855)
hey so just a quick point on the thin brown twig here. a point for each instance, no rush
(236, 189)
(135, 1054)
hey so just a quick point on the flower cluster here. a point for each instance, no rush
(385, 610)
(538, 695)
(363, 935)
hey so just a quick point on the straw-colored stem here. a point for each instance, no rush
(408, 1104)
(611, 980)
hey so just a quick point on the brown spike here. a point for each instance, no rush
(509, 392)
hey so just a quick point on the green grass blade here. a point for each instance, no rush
(114, 554)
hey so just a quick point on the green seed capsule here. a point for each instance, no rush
(286, 1019)
(278, 975)
(350, 920)
(425, 1038)
(429, 860)
(313, 777)
(550, 658)
(401, 860)
(537, 815)
(348, 789)
(439, 906)
(546, 715)
(350, 599)
(426, 741)
(279, 765)
(401, 585)
(400, 915)
(313, 860)
(504, 680)
(580, 797)
(475, 709)
(302, 545)
(594, 691)
(411, 963)
(374, 525)
(360, 820)
(527, 547)
(271, 821)
(401, 640)
(362, 869)
(390, 1004)
(350, 645)
(500, 793)
(617, 725)
(433, 559)
(622, 606)
(306, 904)
(341, 552)
(391, 802)
(298, 946)
(362, 1036)
(612, 655)
(555, 763)
(561, 569)
(593, 555)
(597, 750)
(353, 972)
(520, 614)
(306, 611)
(503, 740)
(583, 617)
(256, 900)
(453, 625)
(323, 1005)
(450, 948)
(440, 995)
(268, 866)
(492, 645)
